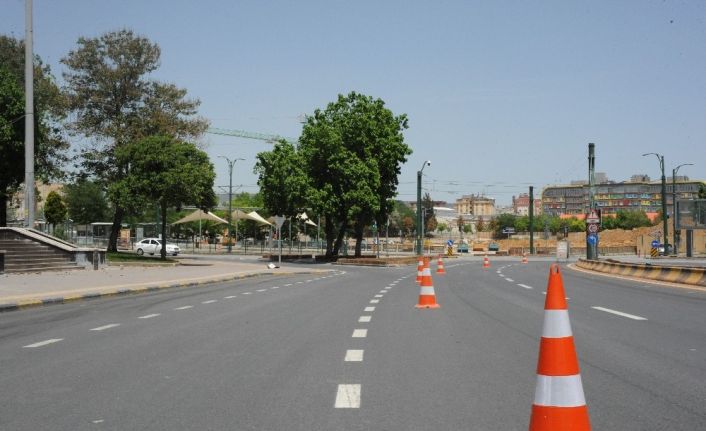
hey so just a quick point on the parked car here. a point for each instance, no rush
(153, 246)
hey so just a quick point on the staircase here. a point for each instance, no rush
(26, 255)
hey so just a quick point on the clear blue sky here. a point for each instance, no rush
(500, 94)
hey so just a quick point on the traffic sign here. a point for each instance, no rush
(508, 230)
(593, 228)
(592, 239)
(594, 217)
(450, 243)
(279, 221)
(655, 243)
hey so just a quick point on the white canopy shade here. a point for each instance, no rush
(258, 218)
(200, 215)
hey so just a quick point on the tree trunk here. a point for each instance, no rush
(330, 235)
(3, 210)
(115, 229)
(358, 238)
(339, 238)
(163, 251)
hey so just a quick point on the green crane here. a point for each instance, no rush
(250, 135)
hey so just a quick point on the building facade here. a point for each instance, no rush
(573, 200)
(476, 205)
(520, 205)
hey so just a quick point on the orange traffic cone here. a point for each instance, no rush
(524, 258)
(427, 297)
(420, 268)
(486, 262)
(440, 266)
(559, 403)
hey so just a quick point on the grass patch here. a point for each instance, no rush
(112, 256)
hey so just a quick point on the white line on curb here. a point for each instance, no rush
(43, 343)
(620, 313)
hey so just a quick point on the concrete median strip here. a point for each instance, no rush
(694, 277)
(20, 303)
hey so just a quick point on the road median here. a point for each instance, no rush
(671, 274)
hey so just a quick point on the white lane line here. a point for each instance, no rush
(383, 291)
(104, 327)
(309, 281)
(525, 286)
(378, 296)
(300, 282)
(620, 313)
(498, 271)
(186, 307)
(289, 284)
(261, 290)
(229, 297)
(247, 293)
(354, 356)
(210, 301)
(510, 280)
(369, 309)
(45, 342)
(364, 319)
(149, 316)
(360, 333)
(348, 397)
(374, 301)
(274, 287)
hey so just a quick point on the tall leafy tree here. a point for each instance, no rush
(86, 201)
(115, 103)
(54, 209)
(702, 191)
(166, 171)
(49, 112)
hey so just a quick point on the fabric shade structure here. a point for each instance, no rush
(252, 215)
(305, 218)
(199, 215)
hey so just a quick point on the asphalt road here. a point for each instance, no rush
(311, 353)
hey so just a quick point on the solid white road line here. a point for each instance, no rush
(149, 316)
(364, 319)
(619, 313)
(103, 328)
(525, 286)
(369, 309)
(360, 333)
(50, 341)
(348, 397)
(374, 301)
(210, 301)
(354, 356)
(186, 307)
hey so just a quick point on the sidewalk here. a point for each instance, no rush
(35, 289)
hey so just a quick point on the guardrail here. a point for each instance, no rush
(672, 274)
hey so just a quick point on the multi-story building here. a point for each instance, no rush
(610, 197)
(520, 205)
(475, 205)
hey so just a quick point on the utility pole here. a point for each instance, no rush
(420, 220)
(677, 234)
(665, 224)
(591, 247)
(230, 199)
(531, 218)
(29, 116)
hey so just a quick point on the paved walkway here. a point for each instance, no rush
(33, 289)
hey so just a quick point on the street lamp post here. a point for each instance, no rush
(664, 201)
(230, 198)
(420, 220)
(677, 234)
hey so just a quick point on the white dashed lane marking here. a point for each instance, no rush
(510, 280)
(261, 290)
(379, 296)
(247, 293)
(186, 307)
(149, 316)
(369, 309)
(104, 327)
(288, 284)
(43, 343)
(354, 356)
(374, 301)
(525, 286)
(360, 333)
(620, 313)
(364, 319)
(229, 297)
(274, 287)
(210, 301)
(348, 397)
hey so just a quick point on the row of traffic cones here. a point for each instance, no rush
(559, 403)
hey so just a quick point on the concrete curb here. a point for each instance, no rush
(669, 274)
(146, 288)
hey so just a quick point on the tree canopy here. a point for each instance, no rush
(86, 201)
(54, 209)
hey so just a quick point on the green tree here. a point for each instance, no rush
(282, 179)
(501, 222)
(430, 222)
(49, 111)
(702, 191)
(442, 227)
(480, 224)
(115, 104)
(54, 209)
(166, 171)
(86, 201)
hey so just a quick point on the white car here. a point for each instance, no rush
(154, 246)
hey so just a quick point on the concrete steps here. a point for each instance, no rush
(25, 255)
